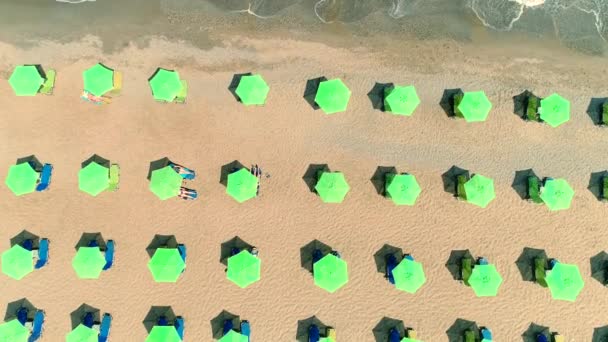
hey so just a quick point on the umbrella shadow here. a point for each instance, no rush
(310, 91)
(383, 252)
(217, 323)
(520, 103)
(36, 164)
(520, 182)
(23, 236)
(90, 239)
(449, 179)
(229, 168)
(594, 110)
(226, 248)
(595, 183)
(157, 71)
(379, 178)
(304, 326)
(382, 329)
(447, 101)
(457, 330)
(158, 241)
(234, 83)
(13, 308)
(157, 165)
(157, 312)
(77, 316)
(310, 176)
(376, 95)
(97, 159)
(455, 261)
(530, 335)
(306, 253)
(525, 262)
(600, 334)
(599, 267)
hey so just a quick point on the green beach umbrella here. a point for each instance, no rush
(403, 189)
(165, 182)
(327, 339)
(13, 331)
(401, 100)
(485, 280)
(26, 80)
(82, 333)
(165, 84)
(565, 281)
(252, 90)
(244, 269)
(166, 265)
(475, 106)
(21, 179)
(17, 262)
(163, 334)
(332, 96)
(479, 190)
(409, 276)
(93, 179)
(557, 194)
(98, 79)
(330, 273)
(407, 339)
(554, 110)
(332, 187)
(233, 336)
(242, 185)
(88, 262)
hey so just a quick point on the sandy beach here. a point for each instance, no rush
(284, 137)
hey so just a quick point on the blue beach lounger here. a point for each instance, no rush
(189, 174)
(37, 326)
(104, 330)
(486, 334)
(87, 321)
(393, 335)
(43, 254)
(179, 326)
(227, 326)
(246, 329)
(45, 177)
(109, 255)
(314, 335)
(391, 263)
(182, 251)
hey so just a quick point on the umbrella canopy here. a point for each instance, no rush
(77, 316)
(401, 100)
(21, 179)
(12, 309)
(403, 189)
(98, 79)
(304, 328)
(158, 241)
(165, 183)
(485, 280)
(475, 106)
(82, 333)
(23, 236)
(332, 96)
(157, 312)
(252, 90)
(382, 329)
(88, 262)
(13, 331)
(382, 253)
(233, 336)
(454, 262)
(26, 80)
(599, 267)
(409, 276)
(166, 265)
(479, 190)
(234, 243)
(557, 194)
(554, 110)
(307, 251)
(332, 187)
(242, 185)
(93, 179)
(17, 262)
(95, 159)
(244, 269)
(565, 281)
(456, 331)
(165, 84)
(217, 323)
(163, 334)
(330, 273)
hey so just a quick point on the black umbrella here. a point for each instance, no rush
(97, 159)
(155, 313)
(20, 238)
(306, 253)
(310, 176)
(520, 182)
(226, 248)
(234, 83)
(525, 262)
(600, 334)
(77, 316)
(228, 169)
(520, 103)
(217, 324)
(599, 267)
(450, 181)
(304, 325)
(596, 183)
(454, 263)
(379, 178)
(382, 329)
(165, 241)
(447, 101)
(377, 93)
(87, 238)
(13, 308)
(594, 110)
(310, 92)
(382, 253)
(157, 165)
(32, 160)
(530, 335)
(457, 330)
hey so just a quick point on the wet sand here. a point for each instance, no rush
(283, 137)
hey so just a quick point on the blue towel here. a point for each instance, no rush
(541, 338)
(316, 255)
(179, 326)
(314, 335)
(104, 329)
(393, 335)
(182, 251)
(486, 334)
(246, 329)
(162, 321)
(391, 263)
(87, 321)
(109, 255)
(45, 177)
(43, 253)
(22, 315)
(227, 326)
(37, 326)
(28, 244)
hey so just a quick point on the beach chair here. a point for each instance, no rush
(604, 115)
(109, 255)
(393, 335)
(486, 334)
(604, 189)
(188, 194)
(117, 83)
(227, 326)
(314, 335)
(540, 271)
(457, 100)
(391, 263)
(246, 329)
(37, 326)
(558, 338)
(43, 254)
(532, 109)
(181, 96)
(460, 181)
(45, 177)
(179, 326)
(331, 333)
(534, 190)
(49, 84)
(114, 178)
(466, 268)
(104, 329)
(182, 251)
(469, 336)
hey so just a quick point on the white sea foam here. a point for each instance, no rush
(530, 3)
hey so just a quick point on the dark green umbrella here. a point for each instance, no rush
(600, 334)
(599, 267)
(13, 308)
(165, 84)
(98, 79)
(26, 80)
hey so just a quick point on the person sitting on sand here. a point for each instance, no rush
(185, 172)
(187, 194)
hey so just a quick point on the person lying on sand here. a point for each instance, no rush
(185, 172)
(187, 194)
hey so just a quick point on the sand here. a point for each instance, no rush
(284, 137)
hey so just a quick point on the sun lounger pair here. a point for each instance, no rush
(540, 271)
(45, 177)
(532, 109)
(314, 335)
(188, 194)
(114, 178)
(43, 253)
(393, 335)
(179, 326)
(37, 326)
(534, 189)
(49, 83)
(104, 329)
(542, 338)
(246, 329)
(466, 269)
(117, 82)
(109, 255)
(391, 263)
(460, 181)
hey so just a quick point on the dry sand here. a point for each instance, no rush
(283, 137)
